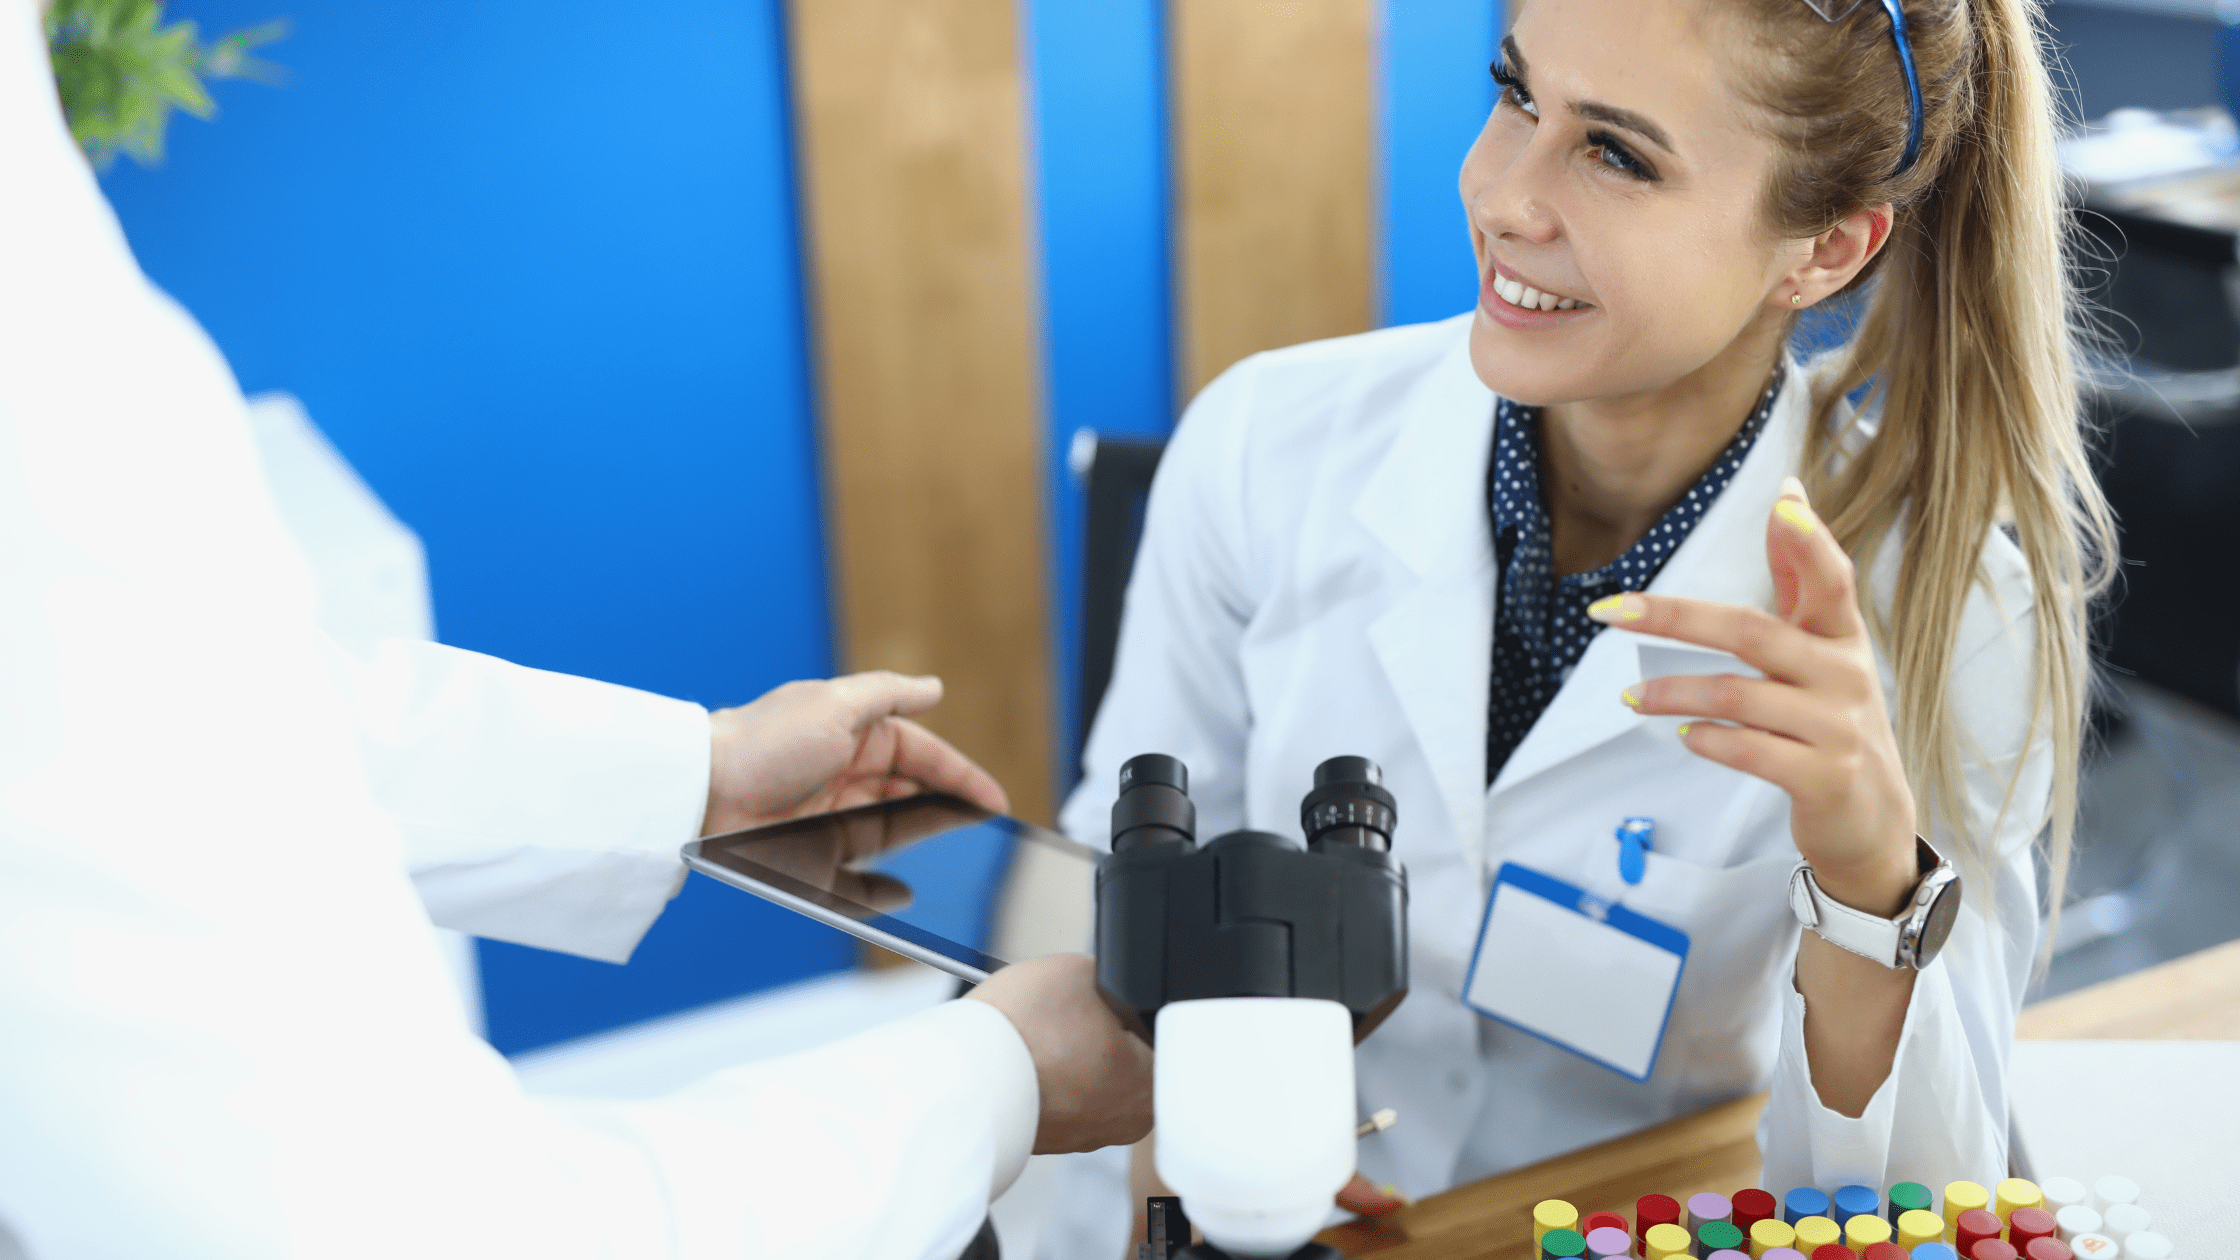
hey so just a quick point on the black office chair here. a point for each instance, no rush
(1116, 475)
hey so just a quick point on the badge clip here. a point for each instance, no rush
(1636, 837)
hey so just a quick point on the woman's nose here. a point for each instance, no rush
(1514, 202)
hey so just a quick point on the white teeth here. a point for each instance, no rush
(1517, 293)
(1509, 289)
(1548, 301)
(1567, 304)
(1530, 299)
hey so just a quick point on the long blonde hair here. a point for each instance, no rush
(1969, 341)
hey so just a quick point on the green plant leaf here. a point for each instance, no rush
(120, 70)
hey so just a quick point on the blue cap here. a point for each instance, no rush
(1802, 1202)
(1934, 1251)
(1856, 1201)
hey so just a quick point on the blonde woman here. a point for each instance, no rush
(1408, 545)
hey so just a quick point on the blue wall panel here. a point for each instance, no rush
(1436, 95)
(535, 269)
(1097, 87)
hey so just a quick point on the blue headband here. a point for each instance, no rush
(1836, 11)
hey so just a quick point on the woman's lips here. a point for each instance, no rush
(1504, 299)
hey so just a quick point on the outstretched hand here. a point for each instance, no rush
(811, 747)
(1815, 726)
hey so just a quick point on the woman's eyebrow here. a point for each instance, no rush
(1595, 110)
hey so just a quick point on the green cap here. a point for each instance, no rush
(1908, 1196)
(1562, 1244)
(1719, 1236)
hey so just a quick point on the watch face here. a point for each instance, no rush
(1936, 919)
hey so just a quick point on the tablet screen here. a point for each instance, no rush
(932, 872)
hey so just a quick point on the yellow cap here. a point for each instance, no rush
(1815, 1232)
(1550, 1214)
(1662, 1242)
(2014, 1193)
(1770, 1233)
(1917, 1227)
(1961, 1196)
(1864, 1231)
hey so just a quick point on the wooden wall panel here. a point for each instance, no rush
(1273, 114)
(913, 155)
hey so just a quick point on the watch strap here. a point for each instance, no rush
(1871, 937)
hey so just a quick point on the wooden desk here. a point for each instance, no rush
(2192, 998)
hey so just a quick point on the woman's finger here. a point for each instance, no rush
(1793, 767)
(1776, 648)
(1813, 579)
(1776, 707)
(1362, 1197)
(926, 757)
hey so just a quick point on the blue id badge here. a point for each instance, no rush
(1575, 969)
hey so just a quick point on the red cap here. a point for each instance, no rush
(1832, 1251)
(2028, 1224)
(1602, 1220)
(1752, 1206)
(2048, 1249)
(1653, 1209)
(1993, 1249)
(1883, 1251)
(1974, 1226)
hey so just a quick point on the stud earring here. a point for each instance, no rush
(1796, 299)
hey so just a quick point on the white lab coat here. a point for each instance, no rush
(1317, 578)
(190, 772)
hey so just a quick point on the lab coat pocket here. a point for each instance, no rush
(1725, 1022)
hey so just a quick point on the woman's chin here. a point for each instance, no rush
(1523, 372)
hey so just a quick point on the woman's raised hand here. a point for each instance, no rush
(1815, 726)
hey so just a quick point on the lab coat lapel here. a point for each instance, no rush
(1723, 559)
(1425, 503)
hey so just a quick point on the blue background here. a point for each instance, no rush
(536, 270)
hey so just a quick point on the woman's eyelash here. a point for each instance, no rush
(1513, 89)
(1619, 157)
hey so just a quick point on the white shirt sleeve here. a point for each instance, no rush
(534, 807)
(1942, 1113)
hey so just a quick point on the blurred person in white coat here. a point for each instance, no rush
(190, 773)
(1407, 545)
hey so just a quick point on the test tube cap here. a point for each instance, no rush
(1663, 1240)
(2077, 1219)
(1602, 1220)
(1719, 1236)
(1934, 1251)
(1728, 1255)
(1973, 1226)
(2047, 1249)
(1883, 1251)
(2014, 1193)
(1605, 1242)
(1562, 1244)
(2146, 1245)
(1550, 1214)
(1802, 1202)
(1962, 1196)
(1654, 1209)
(1771, 1235)
(1782, 1253)
(1994, 1249)
(2122, 1220)
(1850, 1201)
(1865, 1230)
(2109, 1191)
(1909, 1196)
(2095, 1247)
(1815, 1232)
(2029, 1223)
(1708, 1207)
(1753, 1205)
(2061, 1192)
(1833, 1251)
(1919, 1226)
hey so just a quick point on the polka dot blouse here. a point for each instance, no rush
(1541, 626)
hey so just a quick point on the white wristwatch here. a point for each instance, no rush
(1911, 939)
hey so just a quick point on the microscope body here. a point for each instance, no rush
(1253, 965)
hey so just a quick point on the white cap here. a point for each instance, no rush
(2113, 1190)
(2076, 1219)
(2061, 1192)
(2095, 1247)
(2146, 1245)
(2122, 1220)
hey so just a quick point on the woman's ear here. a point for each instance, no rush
(1837, 256)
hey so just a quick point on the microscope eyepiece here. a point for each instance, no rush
(1154, 803)
(1349, 805)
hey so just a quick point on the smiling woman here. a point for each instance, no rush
(1406, 545)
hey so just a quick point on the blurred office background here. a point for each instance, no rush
(709, 345)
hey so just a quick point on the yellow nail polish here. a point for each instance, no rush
(1628, 699)
(1393, 1192)
(1610, 608)
(1795, 513)
(1684, 726)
